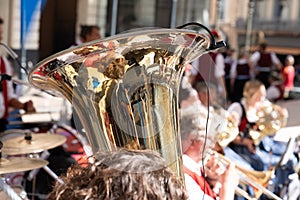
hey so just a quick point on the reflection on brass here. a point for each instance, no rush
(270, 120)
(229, 131)
(124, 88)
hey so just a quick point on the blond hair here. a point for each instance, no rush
(250, 88)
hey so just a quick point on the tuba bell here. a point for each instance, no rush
(271, 118)
(125, 87)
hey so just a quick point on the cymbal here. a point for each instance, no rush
(19, 164)
(38, 143)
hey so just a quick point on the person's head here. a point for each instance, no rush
(89, 33)
(202, 87)
(254, 92)
(192, 132)
(122, 174)
(263, 46)
(229, 51)
(242, 53)
(198, 134)
(1, 28)
(289, 60)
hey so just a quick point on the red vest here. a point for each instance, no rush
(242, 69)
(4, 87)
(265, 60)
(203, 184)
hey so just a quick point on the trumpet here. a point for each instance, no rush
(256, 179)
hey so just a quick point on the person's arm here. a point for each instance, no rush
(236, 112)
(27, 106)
(253, 61)
(233, 74)
(276, 61)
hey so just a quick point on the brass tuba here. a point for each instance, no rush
(125, 87)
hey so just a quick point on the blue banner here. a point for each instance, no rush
(28, 9)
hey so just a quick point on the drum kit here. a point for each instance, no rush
(23, 150)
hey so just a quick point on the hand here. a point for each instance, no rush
(28, 106)
(249, 143)
(229, 181)
(213, 169)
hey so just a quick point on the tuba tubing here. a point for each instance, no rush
(125, 88)
(256, 179)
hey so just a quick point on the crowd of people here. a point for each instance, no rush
(251, 84)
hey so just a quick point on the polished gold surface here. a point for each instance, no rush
(228, 130)
(270, 120)
(19, 164)
(32, 143)
(125, 87)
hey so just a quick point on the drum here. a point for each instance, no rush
(76, 143)
(18, 190)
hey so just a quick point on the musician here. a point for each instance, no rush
(88, 33)
(212, 180)
(254, 98)
(263, 61)
(122, 174)
(245, 112)
(7, 97)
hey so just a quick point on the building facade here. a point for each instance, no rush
(54, 26)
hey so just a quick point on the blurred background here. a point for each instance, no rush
(36, 29)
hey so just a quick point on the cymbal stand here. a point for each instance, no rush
(9, 191)
(34, 172)
(5, 187)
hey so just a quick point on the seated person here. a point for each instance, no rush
(276, 90)
(123, 174)
(209, 181)
(247, 115)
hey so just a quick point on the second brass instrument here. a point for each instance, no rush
(256, 179)
(271, 118)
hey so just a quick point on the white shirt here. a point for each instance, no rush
(236, 107)
(219, 66)
(272, 93)
(10, 89)
(193, 190)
